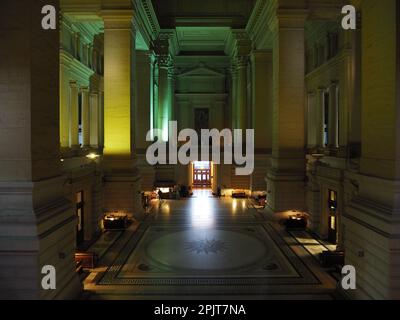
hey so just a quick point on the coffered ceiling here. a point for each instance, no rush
(211, 39)
(203, 13)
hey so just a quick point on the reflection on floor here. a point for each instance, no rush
(208, 248)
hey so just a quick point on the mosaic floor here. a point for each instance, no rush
(208, 248)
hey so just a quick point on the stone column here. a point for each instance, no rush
(161, 47)
(37, 223)
(122, 179)
(261, 64)
(64, 106)
(144, 106)
(144, 113)
(94, 120)
(313, 197)
(234, 86)
(73, 119)
(119, 44)
(320, 112)
(285, 180)
(371, 219)
(241, 93)
(171, 91)
(334, 115)
(85, 117)
(262, 98)
(101, 119)
(312, 120)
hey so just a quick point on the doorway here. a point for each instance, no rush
(202, 177)
(332, 216)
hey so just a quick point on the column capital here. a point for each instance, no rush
(333, 84)
(118, 19)
(233, 71)
(261, 56)
(321, 89)
(164, 61)
(84, 89)
(161, 50)
(73, 84)
(238, 43)
(171, 72)
(288, 19)
(241, 61)
(145, 56)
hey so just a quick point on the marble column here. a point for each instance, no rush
(94, 120)
(37, 223)
(122, 178)
(333, 115)
(285, 180)
(74, 115)
(85, 117)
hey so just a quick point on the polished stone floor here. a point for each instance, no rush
(208, 248)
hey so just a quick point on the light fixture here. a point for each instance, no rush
(92, 156)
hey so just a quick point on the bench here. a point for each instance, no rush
(330, 259)
(86, 260)
(296, 223)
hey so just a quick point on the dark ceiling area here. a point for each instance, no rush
(211, 13)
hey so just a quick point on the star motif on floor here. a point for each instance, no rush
(206, 246)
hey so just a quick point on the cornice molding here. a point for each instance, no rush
(261, 56)
(257, 26)
(77, 68)
(288, 19)
(146, 20)
(238, 43)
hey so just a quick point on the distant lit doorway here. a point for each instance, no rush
(202, 174)
(332, 223)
